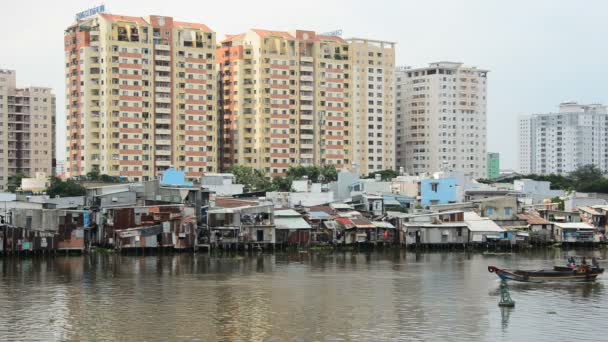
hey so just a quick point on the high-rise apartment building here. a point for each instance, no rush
(493, 169)
(441, 119)
(285, 100)
(561, 142)
(27, 129)
(140, 97)
(373, 104)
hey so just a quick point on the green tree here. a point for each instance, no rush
(65, 189)
(329, 173)
(559, 201)
(586, 174)
(281, 184)
(252, 179)
(93, 175)
(385, 175)
(14, 181)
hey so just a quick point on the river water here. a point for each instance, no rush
(342, 296)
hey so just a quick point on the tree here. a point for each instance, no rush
(252, 179)
(65, 189)
(385, 175)
(93, 175)
(281, 184)
(329, 173)
(14, 181)
(559, 201)
(586, 174)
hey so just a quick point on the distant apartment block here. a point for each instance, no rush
(493, 169)
(561, 142)
(27, 129)
(441, 119)
(284, 100)
(140, 97)
(373, 105)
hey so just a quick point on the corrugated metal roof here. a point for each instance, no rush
(286, 213)
(477, 223)
(291, 223)
(347, 223)
(352, 213)
(361, 222)
(533, 219)
(319, 215)
(383, 224)
(573, 225)
(391, 202)
(340, 206)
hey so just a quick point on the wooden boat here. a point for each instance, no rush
(541, 276)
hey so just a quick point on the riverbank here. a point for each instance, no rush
(476, 248)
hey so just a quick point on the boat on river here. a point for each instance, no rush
(558, 273)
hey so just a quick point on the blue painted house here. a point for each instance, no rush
(174, 178)
(437, 191)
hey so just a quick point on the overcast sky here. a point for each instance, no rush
(539, 53)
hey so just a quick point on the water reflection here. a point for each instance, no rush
(348, 296)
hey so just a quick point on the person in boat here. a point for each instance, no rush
(584, 262)
(594, 263)
(572, 263)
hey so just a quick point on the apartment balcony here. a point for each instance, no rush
(306, 136)
(306, 127)
(162, 47)
(162, 58)
(306, 88)
(306, 107)
(308, 156)
(162, 68)
(162, 89)
(162, 110)
(306, 59)
(162, 131)
(162, 121)
(306, 68)
(162, 78)
(306, 97)
(162, 152)
(165, 142)
(163, 162)
(162, 99)
(306, 117)
(306, 78)
(307, 146)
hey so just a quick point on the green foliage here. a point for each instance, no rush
(14, 181)
(93, 175)
(252, 179)
(559, 201)
(385, 175)
(587, 178)
(316, 174)
(255, 180)
(281, 184)
(64, 189)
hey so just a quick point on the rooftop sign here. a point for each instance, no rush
(90, 12)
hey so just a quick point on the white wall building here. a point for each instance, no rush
(561, 142)
(441, 119)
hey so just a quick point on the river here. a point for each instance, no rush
(341, 296)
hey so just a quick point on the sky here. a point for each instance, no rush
(539, 53)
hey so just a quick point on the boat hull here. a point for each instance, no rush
(543, 276)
